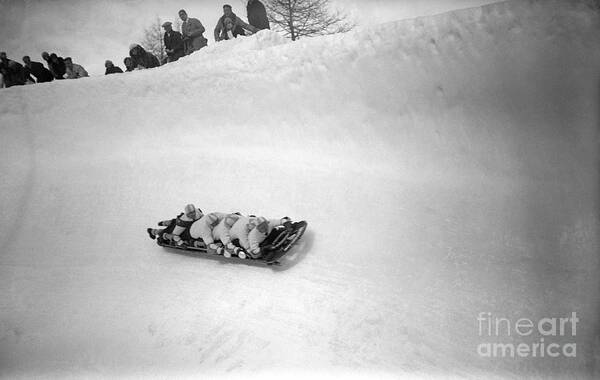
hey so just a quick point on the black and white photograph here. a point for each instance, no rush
(300, 189)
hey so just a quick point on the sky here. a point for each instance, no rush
(92, 31)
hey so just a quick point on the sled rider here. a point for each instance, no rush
(176, 227)
(203, 228)
(263, 228)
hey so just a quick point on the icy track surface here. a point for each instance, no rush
(446, 165)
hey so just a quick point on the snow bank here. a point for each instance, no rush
(446, 165)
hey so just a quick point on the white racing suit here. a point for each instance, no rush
(240, 230)
(222, 230)
(203, 228)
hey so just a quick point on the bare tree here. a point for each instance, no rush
(153, 40)
(307, 18)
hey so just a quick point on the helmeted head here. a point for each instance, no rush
(3, 56)
(213, 220)
(190, 211)
(46, 56)
(231, 219)
(183, 15)
(108, 64)
(27, 60)
(262, 225)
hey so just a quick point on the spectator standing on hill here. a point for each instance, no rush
(141, 59)
(38, 70)
(111, 68)
(173, 42)
(56, 65)
(13, 73)
(228, 13)
(257, 15)
(192, 31)
(74, 71)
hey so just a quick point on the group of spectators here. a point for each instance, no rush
(191, 38)
(177, 45)
(16, 74)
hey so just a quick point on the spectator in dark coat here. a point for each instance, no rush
(128, 62)
(111, 68)
(56, 65)
(12, 72)
(192, 31)
(173, 43)
(141, 58)
(228, 13)
(38, 70)
(257, 15)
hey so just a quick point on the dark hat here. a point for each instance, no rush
(167, 23)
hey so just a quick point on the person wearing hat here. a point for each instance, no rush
(142, 59)
(192, 31)
(173, 42)
(178, 226)
(111, 68)
(220, 31)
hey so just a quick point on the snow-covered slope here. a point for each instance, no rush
(446, 165)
